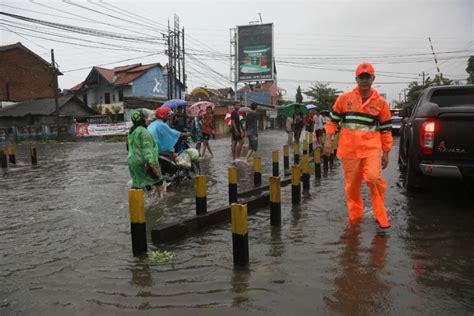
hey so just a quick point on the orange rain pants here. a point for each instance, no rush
(368, 169)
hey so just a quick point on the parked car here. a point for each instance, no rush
(396, 121)
(437, 136)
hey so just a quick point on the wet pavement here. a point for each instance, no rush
(65, 244)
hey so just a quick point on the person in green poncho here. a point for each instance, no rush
(143, 156)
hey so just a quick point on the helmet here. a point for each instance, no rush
(162, 113)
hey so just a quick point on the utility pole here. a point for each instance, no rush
(170, 71)
(175, 52)
(423, 78)
(233, 59)
(184, 72)
(55, 87)
(435, 60)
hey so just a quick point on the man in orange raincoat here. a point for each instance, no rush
(364, 143)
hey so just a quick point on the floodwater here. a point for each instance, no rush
(65, 245)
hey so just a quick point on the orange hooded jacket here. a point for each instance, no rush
(365, 128)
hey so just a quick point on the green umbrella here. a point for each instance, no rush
(289, 110)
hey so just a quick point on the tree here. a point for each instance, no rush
(322, 95)
(470, 70)
(415, 89)
(299, 96)
(97, 108)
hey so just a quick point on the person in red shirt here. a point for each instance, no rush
(365, 141)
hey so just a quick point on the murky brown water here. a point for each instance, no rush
(65, 245)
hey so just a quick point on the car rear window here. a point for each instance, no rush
(453, 97)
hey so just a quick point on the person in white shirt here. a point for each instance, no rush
(318, 128)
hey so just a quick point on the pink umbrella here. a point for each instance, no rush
(199, 107)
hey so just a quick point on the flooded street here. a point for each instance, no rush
(65, 244)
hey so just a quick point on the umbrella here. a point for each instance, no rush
(197, 108)
(245, 109)
(310, 106)
(174, 103)
(289, 110)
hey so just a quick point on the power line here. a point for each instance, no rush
(81, 30)
(114, 62)
(82, 45)
(2, 22)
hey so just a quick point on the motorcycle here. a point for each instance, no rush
(172, 172)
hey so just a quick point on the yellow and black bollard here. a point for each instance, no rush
(305, 172)
(286, 160)
(232, 185)
(137, 221)
(310, 143)
(11, 154)
(317, 162)
(295, 184)
(200, 187)
(305, 147)
(3, 159)
(34, 158)
(240, 237)
(257, 170)
(296, 153)
(275, 163)
(275, 201)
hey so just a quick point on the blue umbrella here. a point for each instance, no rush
(174, 103)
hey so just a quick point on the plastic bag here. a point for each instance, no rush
(193, 153)
(183, 160)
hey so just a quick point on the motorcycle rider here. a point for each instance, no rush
(165, 137)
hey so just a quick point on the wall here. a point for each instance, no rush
(260, 97)
(74, 109)
(27, 76)
(95, 95)
(151, 84)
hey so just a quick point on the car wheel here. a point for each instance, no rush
(412, 175)
(402, 166)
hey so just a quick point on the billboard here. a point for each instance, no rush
(255, 52)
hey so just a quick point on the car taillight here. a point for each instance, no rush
(427, 132)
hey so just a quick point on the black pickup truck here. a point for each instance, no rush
(437, 136)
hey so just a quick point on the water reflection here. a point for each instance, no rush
(358, 287)
(240, 285)
(141, 275)
(277, 248)
(439, 239)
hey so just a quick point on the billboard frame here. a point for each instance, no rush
(237, 53)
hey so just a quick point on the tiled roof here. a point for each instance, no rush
(120, 75)
(106, 73)
(77, 87)
(36, 107)
(125, 68)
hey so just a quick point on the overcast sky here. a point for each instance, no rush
(314, 40)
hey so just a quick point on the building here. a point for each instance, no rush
(109, 87)
(265, 93)
(212, 95)
(24, 75)
(38, 118)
